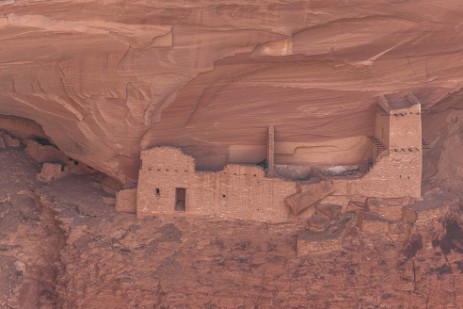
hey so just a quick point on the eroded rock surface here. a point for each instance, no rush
(63, 246)
(105, 79)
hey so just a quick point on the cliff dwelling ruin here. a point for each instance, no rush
(169, 182)
(25, 134)
(231, 154)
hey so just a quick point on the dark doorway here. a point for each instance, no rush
(180, 199)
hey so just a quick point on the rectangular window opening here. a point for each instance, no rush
(158, 192)
(180, 199)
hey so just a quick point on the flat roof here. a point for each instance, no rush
(400, 103)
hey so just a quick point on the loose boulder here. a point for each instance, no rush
(309, 195)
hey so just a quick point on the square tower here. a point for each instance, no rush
(398, 140)
(398, 122)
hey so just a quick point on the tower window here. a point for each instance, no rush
(158, 192)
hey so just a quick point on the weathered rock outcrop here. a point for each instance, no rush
(62, 246)
(105, 79)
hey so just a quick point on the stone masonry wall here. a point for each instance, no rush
(162, 170)
(398, 172)
(237, 192)
(244, 191)
(382, 127)
(405, 131)
(126, 201)
(395, 175)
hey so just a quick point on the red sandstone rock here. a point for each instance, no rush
(110, 185)
(51, 171)
(2, 143)
(126, 201)
(409, 215)
(318, 223)
(9, 140)
(62, 247)
(330, 211)
(310, 195)
(109, 200)
(357, 203)
(221, 78)
(44, 153)
(104, 80)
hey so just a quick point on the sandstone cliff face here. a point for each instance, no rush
(107, 78)
(61, 246)
(443, 132)
(104, 79)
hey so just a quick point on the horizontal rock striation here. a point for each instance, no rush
(107, 79)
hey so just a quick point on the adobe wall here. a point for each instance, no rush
(244, 191)
(126, 201)
(382, 126)
(237, 192)
(165, 169)
(398, 172)
(405, 131)
(395, 175)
